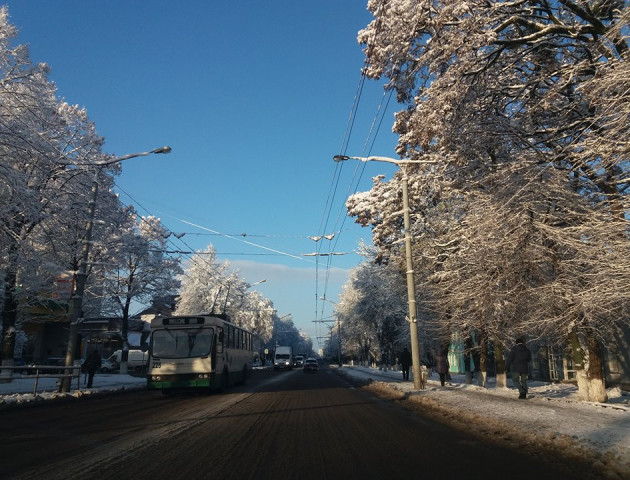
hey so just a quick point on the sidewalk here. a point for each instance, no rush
(21, 390)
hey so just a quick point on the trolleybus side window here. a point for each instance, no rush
(221, 337)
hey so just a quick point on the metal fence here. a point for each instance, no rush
(40, 371)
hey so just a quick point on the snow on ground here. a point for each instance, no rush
(551, 416)
(22, 390)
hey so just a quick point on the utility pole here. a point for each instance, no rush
(411, 288)
(339, 359)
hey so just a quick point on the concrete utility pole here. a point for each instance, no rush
(76, 301)
(339, 359)
(411, 288)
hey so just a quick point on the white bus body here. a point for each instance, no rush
(198, 351)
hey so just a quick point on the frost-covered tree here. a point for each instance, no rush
(521, 105)
(372, 309)
(201, 284)
(39, 138)
(255, 313)
(285, 333)
(214, 288)
(144, 273)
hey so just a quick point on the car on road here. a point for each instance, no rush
(54, 362)
(137, 361)
(298, 361)
(109, 365)
(310, 366)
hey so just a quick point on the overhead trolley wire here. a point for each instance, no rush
(367, 149)
(335, 182)
(190, 254)
(357, 175)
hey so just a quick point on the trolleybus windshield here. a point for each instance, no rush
(182, 343)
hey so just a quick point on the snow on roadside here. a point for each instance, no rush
(22, 391)
(552, 416)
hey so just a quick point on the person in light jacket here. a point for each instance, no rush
(518, 363)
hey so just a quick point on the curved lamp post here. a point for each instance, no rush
(411, 288)
(76, 301)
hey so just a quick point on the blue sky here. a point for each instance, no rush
(255, 99)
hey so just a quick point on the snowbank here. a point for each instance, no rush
(22, 390)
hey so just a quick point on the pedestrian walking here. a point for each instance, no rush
(518, 363)
(91, 364)
(441, 364)
(405, 363)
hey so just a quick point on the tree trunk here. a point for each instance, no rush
(587, 361)
(501, 374)
(124, 333)
(483, 360)
(468, 345)
(597, 382)
(9, 316)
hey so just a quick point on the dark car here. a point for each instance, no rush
(298, 361)
(310, 366)
(19, 362)
(54, 362)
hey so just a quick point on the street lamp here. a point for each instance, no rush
(411, 288)
(76, 301)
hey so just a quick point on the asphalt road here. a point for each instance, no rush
(287, 425)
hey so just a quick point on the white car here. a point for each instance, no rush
(108, 365)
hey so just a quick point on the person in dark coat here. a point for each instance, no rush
(405, 362)
(441, 364)
(92, 364)
(518, 363)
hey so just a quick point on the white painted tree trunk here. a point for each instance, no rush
(501, 380)
(591, 389)
(588, 369)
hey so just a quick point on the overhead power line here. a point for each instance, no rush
(193, 252)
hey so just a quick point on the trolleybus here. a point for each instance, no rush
(198, 351)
